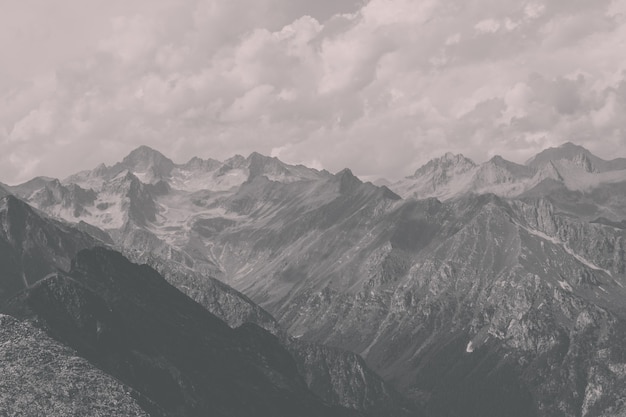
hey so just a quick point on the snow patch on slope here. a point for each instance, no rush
(194, 180)
(566, 248)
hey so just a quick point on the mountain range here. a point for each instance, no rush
(463, 290)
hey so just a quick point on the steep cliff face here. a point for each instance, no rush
(230, 305)
(441, 178)
(32, 247)
(342, 377)
(41, 377)
(70, 200)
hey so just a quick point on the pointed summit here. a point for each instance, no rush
(447, 164)
(499, 161)
(549, 172)
(501, 170)
(196, 163)
(24, 190)
(442, 178)
(576, 156)
(100, 170)
(145, 157)
(347, 181)
(148, 164)
(265, 165)
(567, 151)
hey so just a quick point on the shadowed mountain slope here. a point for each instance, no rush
(346, 382)
(32, 247)
(130, 322)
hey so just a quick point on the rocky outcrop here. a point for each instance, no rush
(342, 377)
(41, 377)
(32, 247)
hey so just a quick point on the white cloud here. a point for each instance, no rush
(453, 39)
(534, 10)
(250, 105)
(132, 38)
(378, 86)
(37, 123)
(487, 26)
(604, 116)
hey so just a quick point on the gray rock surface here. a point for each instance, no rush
(41, 377)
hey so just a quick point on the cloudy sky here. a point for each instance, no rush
(379, 86)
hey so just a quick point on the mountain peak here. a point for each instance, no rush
(148, 162)
(447, 164)
(265, 165)
(449, 156)
(145, 153)
(258, 159)
(567, 151)
(144, 150)
(347, 180)
(199, 163)
(256, 155)
(516, 170)
(100, 169)
(346, 172)
(236, 161)
(498, 160)
(572, 146)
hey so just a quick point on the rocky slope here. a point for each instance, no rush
(451, 301)
(342, 377)
(32, 247)
(41, 377)
(152, 167)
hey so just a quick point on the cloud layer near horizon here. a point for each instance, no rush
(379, 86)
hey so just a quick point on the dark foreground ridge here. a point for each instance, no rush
(184, 361)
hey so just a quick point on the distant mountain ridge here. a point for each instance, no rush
(452, 175)
(151, 167)
(572, 152)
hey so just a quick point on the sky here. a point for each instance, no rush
(379, 86)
